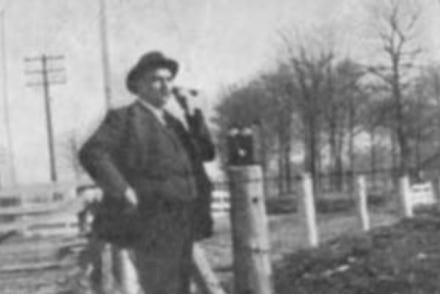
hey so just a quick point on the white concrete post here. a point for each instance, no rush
(310, 211)
(405, 197)
(362, 204)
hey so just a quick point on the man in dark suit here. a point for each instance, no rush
(150, 167)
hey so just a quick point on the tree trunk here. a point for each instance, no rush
(262, 152)
(351, 154)
(351, 174)
(311, 155)
(340, 180)
(280, 179)
(339, 172)
(288, 168)
(400, 133)
(373, 156)
(417, 151)
(394, 172)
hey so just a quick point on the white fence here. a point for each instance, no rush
(220, 204)
(58, 209)
(40, 210)
(422, 194)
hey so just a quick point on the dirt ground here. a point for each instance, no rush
(38, 265)
(52, 264)
(288, 234)
(403, 258)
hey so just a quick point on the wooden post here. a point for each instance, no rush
(405, 200)
(125, 276)
(436, 188)
(107, 281)
(362, 202)
(309, 211)
(205, 278)
(252, 266)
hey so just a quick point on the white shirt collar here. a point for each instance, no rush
(176, 111)
(157, 112)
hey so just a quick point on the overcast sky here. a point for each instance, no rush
(218, 42)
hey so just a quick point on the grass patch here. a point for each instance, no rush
(403, 258)
(289, 204)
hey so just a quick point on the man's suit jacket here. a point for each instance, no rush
(164, 165)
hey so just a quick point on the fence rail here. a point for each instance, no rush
(40, 210)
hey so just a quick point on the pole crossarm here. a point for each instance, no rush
(52, 82)
(47, 57)
(49, 70)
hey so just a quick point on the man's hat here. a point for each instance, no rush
(149, 61)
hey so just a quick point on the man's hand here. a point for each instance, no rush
(131, 197)
(182, 97)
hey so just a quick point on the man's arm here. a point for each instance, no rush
(200, 133)
(97, 155)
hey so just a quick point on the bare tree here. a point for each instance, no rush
(397, 30)
(341, 114)
(68, 154)
(325, 92)
(423, 117)
(375, 119)
(279, 86)
(309, 69)
(265, 103)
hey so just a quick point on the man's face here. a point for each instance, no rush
(155, 86)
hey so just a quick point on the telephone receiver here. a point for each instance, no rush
(184, 92)
(181, 94)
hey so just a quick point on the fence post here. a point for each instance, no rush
(405, 200)
(436, 188)
(124, 270)
(309, 210)
(362, 202)
(24, 231)
(107, 281)
(252, 266)
(204, 277)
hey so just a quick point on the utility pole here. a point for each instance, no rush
(104, 52)
(46, 83)
(10, 162)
